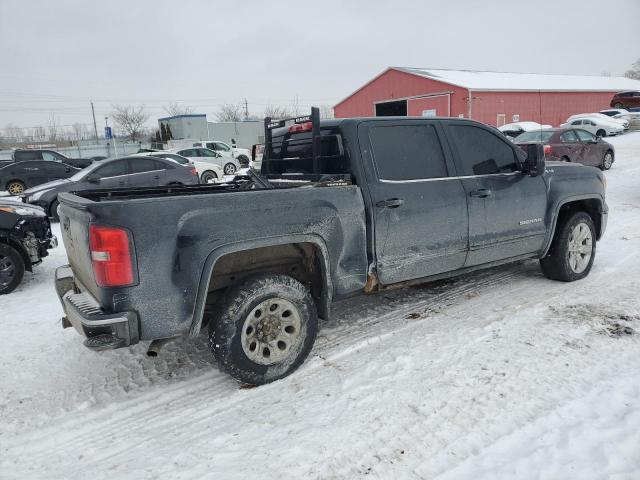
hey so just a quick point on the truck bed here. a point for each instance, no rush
(179, 233)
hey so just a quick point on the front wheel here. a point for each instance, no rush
(607, 160)
(264, 328)
(573, 249)
(208, 176)
(618, 105)
(229, 169)
(11, 268)
(601, 133)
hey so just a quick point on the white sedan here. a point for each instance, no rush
(604, 118)
(595, 125)
(198, 154)
(242, 155)
(208, 171)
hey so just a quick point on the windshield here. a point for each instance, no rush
(535, 136)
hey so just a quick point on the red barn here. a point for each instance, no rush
(494, 98)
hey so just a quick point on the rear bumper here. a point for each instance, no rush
(103, 331)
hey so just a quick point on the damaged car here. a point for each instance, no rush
(25, 238)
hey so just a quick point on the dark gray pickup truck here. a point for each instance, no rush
(341, 207)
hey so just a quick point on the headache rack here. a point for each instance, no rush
(324, 147)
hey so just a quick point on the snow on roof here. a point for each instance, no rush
(475, 80)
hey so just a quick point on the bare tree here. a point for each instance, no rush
(295, 107)
(39, 133)
(175, 108)
(13, 131)
(230, 112)
(79, 131)
(276, 112)
(130, 120)
(53, 127)
(634, 72)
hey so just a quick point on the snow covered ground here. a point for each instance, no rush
(502, 374)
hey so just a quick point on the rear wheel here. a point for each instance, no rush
(229, 169)
(573, 249)
(243, 160)
(565, 159)
(11, 268)
(601, 133)
(618, 105)
(15, 187)
(208, 176)
(607, 160)
(264, 328)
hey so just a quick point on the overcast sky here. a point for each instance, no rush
(56, 56)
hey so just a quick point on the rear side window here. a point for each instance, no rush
(25, 156)
(481, 152)
(141, 165)
(407, 152)
(177, 158)
(188, 153)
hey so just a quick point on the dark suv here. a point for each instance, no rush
(626, 99)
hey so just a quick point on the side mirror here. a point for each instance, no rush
(93, 178)
(535, 162)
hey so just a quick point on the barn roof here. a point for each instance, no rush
(502, 81)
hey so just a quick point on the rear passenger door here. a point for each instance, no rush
(144, 172)
(419, 211)
(507, 207)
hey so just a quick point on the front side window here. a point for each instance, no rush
(51, 157)
(481, 152)
(113, 169)
(568, 137)
(585, 136)
(222, 146)
(205, 152)
(576, 122)
(407, 152)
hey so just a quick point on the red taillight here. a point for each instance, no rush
(548, 150)
(110, 256)
(301, 127)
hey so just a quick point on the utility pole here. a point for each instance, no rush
(95, 127)
(246, 110)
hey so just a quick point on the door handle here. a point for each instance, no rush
(480, 193)
(390, 203)
(156, 177)
(120, 183)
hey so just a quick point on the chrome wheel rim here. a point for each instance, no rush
(271, 331)
(15, 188)
(608, 160)
(580, 247)
(229, 169)
(7, 271)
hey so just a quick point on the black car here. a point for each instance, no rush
(28, 155)
(114, 173)
(16, 177)
(25, 237)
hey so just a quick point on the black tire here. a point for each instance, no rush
(618, 105)
(243, 160)
(53, 210)
(607, 160)
(555, 265)
(208, 175)
(11, 268)
(229, 168)
(565, 159)
(239, 307)
(15, 187)
(601, 133)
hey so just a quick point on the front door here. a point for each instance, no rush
(507, 208)
(112, 174)
(419, 212)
